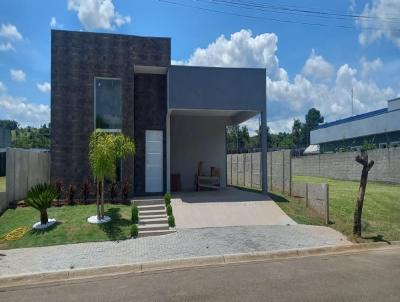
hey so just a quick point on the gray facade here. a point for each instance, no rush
(77, 58)
(153, 93)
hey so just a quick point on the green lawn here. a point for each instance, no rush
(2, 184)
(381, 212)
(71, 226)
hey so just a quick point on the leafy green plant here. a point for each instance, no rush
(59, 189)
(104, 151)
(40, 197)
(167, 198)
(85, 190)
(171, 221)
(135, 214)
(113, 190)
(134, 230)
(125, 190)
(169, 210)
(367, 145)
(71, 194)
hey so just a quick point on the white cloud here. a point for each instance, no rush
(368, 67)
(6, 46)
(283, 125)
(23, 111)
(10, 31)
(17, 75)
(98, 14)
(382, 22)
(240, 50)
(3, 87)
(44, 87)
(317, 67)
(289, 99)
(53, 22)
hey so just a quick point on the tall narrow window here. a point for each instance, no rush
(108, 104)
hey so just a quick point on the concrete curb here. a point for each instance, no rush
(115, 270)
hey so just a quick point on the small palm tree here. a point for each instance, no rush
(104, 151)
(41, 197)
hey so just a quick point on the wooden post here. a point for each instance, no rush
(363, 160)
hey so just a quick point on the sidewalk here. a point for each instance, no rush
(182, 244)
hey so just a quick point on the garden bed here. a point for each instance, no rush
(71, 226)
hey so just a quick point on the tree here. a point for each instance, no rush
(363, 160)
(313, 119)
(41, 197)
(298, 133)
(9, 124)
(105, 149)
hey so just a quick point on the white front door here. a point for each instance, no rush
(154, 161)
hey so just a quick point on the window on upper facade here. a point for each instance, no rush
(108, 104)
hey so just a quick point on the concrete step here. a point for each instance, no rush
(142, 202)
(153, 216)
(146, 213)
(147, 221)
(153, 227)
(151, 207)
(155, 233)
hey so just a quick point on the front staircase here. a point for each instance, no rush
(153, 219)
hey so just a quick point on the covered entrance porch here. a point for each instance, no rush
(202, 102)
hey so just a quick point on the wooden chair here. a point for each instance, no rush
(210, 182)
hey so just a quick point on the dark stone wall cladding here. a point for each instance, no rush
(150, 111)
(76, 59)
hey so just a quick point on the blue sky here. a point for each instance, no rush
(307, 65)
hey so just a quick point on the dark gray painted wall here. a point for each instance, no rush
(5, 137)
(216, 88)
(76, 59)
(150, 113)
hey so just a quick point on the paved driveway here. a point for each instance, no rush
(227, 207)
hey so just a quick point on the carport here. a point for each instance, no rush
(202, 101)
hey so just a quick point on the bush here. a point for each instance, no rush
(113, 190)
(125, 190)
(135, 214)
(59, 189)
(85, 190)
(167, 198)
(41, 197)
(171, 221)
(134, 230)
(71, 194)
(169, 210)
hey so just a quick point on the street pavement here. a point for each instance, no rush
(365, 276)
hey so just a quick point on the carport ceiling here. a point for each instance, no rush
(237, 116)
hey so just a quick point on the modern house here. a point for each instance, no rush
(177, 115)
(380, 127)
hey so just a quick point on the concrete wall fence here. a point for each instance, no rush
(343, 165)
(315, 196)
(24, 169)
(244, 170)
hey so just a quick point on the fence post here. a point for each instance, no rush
(327, 203)
(244, 169)
(251, 170)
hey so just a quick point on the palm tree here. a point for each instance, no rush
(41, 197)
(105, 149)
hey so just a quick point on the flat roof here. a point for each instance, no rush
(353, 118)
